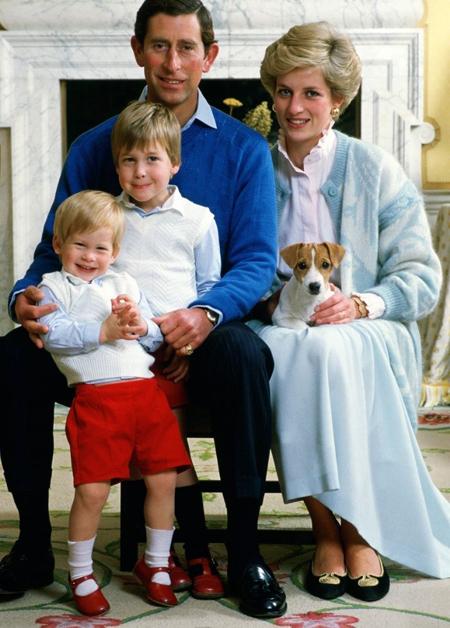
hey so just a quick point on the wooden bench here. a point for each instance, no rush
(132, 493)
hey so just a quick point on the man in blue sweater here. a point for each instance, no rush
(226, 167)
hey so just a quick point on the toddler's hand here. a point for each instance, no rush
(112, 330)
(125, 322)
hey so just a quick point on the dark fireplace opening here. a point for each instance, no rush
(89, 102)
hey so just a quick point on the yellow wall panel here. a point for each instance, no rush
(436, 156)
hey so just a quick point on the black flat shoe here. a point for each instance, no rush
(20, 572)
(327, 586)
(260, 594)
(368, 587)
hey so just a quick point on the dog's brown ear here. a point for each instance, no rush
(336, 253)
(290, 254)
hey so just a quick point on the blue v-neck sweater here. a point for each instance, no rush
(227, 169)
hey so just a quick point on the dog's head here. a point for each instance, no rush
(313, 263)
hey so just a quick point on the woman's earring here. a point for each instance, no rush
(274, 109)
(335, 113)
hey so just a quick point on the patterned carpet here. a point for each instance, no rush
(414, 601)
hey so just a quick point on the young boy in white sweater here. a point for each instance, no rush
(171, 247)
(119, 412)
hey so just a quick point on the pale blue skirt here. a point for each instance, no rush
(342, 407)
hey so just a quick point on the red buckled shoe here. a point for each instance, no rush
(94, 603)
(179, 577)
(206, 582)
(161, 594)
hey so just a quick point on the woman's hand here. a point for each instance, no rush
(335, 310)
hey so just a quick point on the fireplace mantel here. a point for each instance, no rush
(49, 41)
(228, 15)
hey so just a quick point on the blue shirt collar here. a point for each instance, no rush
(203, 113)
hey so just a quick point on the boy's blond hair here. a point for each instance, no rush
(88, 211)
(144, 123)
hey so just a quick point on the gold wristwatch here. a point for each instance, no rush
(211, 315)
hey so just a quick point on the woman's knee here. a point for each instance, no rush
(319, 348)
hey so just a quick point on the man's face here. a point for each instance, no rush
(174, 59)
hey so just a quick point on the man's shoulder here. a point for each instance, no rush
(96, 135)
(236, 131)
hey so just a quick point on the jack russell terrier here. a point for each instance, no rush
(309, 285)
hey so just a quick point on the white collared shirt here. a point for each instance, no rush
(306, 217)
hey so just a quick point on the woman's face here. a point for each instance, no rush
(303, 104)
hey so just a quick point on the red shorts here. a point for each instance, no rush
(110, 425)
(176, 393)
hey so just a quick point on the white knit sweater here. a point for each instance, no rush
(158, 251)
(91, 302)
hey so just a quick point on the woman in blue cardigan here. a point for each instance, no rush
(345, 391)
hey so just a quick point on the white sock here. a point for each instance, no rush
(80, 564)
(157, 552)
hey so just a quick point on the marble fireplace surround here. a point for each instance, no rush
(49, 41)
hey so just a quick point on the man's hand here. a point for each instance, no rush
(28, 313)
(176, 366)
(184, 327)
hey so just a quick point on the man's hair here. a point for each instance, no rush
(175, 7)
(144, 123)
(87, 211)
(315, 45)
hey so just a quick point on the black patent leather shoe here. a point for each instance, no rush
(327, 586)
(260, 594)
(368, 587)
(20, 572)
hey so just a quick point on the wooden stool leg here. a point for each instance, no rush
(132, 527)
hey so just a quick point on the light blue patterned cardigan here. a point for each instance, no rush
(380, 219)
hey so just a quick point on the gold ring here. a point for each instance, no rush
(188, 349)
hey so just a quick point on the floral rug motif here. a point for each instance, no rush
(414, 601)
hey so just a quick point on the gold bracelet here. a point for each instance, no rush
(361, 307)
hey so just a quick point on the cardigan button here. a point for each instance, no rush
(332, 192)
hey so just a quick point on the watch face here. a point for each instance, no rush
(212, 316)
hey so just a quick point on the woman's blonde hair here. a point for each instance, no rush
(315, 45)
(87, 211)
(144, 123)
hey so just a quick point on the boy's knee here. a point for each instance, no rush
(92, 496)
(161, 484)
